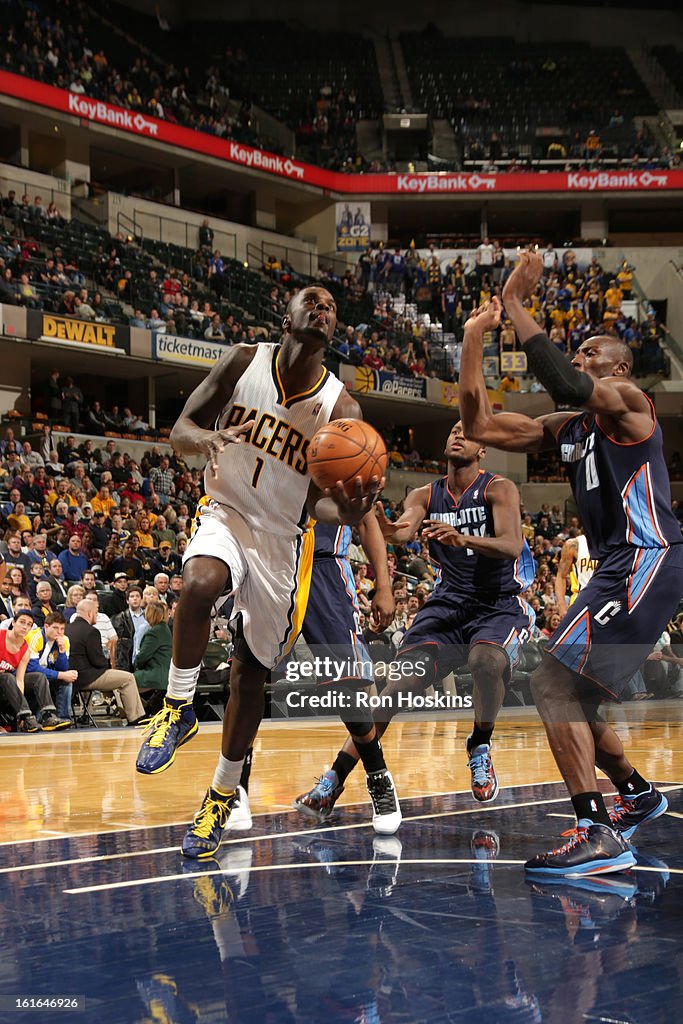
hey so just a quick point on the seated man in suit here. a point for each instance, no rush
(88, 659)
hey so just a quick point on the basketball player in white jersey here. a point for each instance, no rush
(577, 567)
(253, 418)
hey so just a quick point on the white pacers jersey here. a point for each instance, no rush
(583, 567)
(265, 477)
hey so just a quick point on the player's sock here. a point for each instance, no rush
(371, 755)
(634, 785)
(478, 737)
(592, 807)
(227, 775)
(182, 682)
(246, 769)
(343, 766)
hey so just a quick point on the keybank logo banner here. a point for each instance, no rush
(48, 327)
(168, 348)
(92, 111)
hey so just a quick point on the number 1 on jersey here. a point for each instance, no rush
(257, 472)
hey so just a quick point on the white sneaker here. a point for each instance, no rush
(240, 815)
(386, 811)
(383, 873)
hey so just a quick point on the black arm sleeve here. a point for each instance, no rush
(563, 383)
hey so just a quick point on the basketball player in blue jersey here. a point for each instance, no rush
(614, 459)
(253, 418)
(472, 520)
(332, 626)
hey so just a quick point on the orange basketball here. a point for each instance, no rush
(346, 449)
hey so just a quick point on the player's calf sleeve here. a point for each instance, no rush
(343, 765)
(182, 682)
(371, 754)
(246, 769)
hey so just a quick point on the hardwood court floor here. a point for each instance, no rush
(295, 923)
(84, 781)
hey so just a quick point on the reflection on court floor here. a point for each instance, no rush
(334, 924)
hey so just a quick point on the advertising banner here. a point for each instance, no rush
(199, 352)
(353, 226)
(42, 326)
(424, 183)
(367, 380)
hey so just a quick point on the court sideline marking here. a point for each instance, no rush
(325, 830)
(328, 864)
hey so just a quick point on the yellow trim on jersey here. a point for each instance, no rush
(204, 500)
(286, 399)
(303, 588)
(574, 580)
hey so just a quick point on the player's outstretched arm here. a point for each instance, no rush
(408, 523)
(617, 397)
(508, 541)
(194, 431)
(375, 548)
(512, 432)
(570, 550)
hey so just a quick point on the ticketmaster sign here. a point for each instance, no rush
(191, 351)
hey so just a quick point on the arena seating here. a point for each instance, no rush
(671, 59)
(519, 89)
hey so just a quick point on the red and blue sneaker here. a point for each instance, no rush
(631, 811)
(174, 725)
(592, 849)
(484, 781)
(319, 802)
(205, 834)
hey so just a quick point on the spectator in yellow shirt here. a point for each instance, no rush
(509, 383)
(614, 295)
(18, 520)
(625, 279)
(103, 501)
(61, 494)
(144, 533)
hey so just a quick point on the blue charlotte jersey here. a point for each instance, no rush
(463, 569)
(331, 540)
(622, 490)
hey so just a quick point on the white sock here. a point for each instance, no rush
(227, 774)
(182, 682)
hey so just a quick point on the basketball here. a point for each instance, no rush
(344, 450)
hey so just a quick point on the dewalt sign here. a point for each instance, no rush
(49, 327)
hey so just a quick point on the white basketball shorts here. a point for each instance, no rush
(270, 576)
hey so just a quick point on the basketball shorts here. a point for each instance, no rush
(450, 623)
(332, 621)
(269, 573)
(620, 614)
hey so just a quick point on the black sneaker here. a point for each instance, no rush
(591, 850)
(50, 722)
(28, 723)
(631, 811)
(386, 811)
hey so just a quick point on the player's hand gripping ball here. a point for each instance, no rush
(344, 450)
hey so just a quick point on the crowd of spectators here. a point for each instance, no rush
(57, 51)
(419, 299)
(585, 151)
